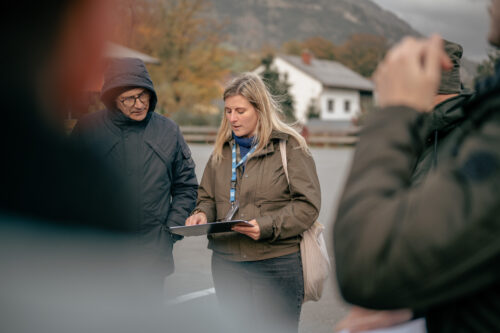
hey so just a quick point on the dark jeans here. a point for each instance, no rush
(260, 296)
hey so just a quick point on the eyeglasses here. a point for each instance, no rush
(130, 101)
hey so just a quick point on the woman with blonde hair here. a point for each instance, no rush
(257, 269)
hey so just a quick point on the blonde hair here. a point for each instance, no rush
(252, 87)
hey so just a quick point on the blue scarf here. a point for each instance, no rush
(244, 143)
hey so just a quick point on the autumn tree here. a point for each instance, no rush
(292, 47)
(278, 88)
(320, 47)
(362, 53)
(129, 27)
(188, 45)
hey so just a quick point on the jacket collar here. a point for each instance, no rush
(123, 121)
(279, 135)
(269, 148)
(449, 112)
(161, 148)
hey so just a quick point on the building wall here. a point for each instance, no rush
(339, 104)
(306, 90)
(303, 88)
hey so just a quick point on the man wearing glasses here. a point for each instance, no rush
(148, 152)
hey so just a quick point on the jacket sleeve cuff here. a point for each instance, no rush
(266, 226)
(172, 221)
(206, 211)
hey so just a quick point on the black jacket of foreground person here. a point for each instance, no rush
(435, 247)
(150, 156)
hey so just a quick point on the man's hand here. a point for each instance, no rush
(198, 218)
(251, 231)
(410, 73)
(360, 319)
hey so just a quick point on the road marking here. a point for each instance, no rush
(191, 296)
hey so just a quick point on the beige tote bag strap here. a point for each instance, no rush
(315, 260)
(283, 159)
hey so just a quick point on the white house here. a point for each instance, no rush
(332, 90)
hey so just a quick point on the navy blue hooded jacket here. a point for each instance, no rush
(150, 156)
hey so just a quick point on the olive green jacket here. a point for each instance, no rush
(283, 212)
(434, 248)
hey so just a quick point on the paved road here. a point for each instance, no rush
(192, 258)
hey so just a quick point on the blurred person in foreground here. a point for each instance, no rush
(440, 129)
(257, 270)
(54, 51)
(68, 263)
(148, 152)
(433, 248)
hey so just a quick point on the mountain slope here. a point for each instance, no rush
(251, 24)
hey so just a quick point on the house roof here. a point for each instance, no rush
(330, 73)
(113, 50)
(119, 51)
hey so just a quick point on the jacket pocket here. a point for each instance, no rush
(270, 206)
(273, 184)
(222, 208)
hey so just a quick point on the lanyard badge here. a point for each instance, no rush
(232, 191)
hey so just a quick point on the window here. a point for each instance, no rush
(347, 106)
(330, 106)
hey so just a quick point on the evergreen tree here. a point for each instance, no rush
(313, 112)
(278, 88)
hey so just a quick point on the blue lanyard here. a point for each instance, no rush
(234, 166)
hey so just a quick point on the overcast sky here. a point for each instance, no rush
(463, 21)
